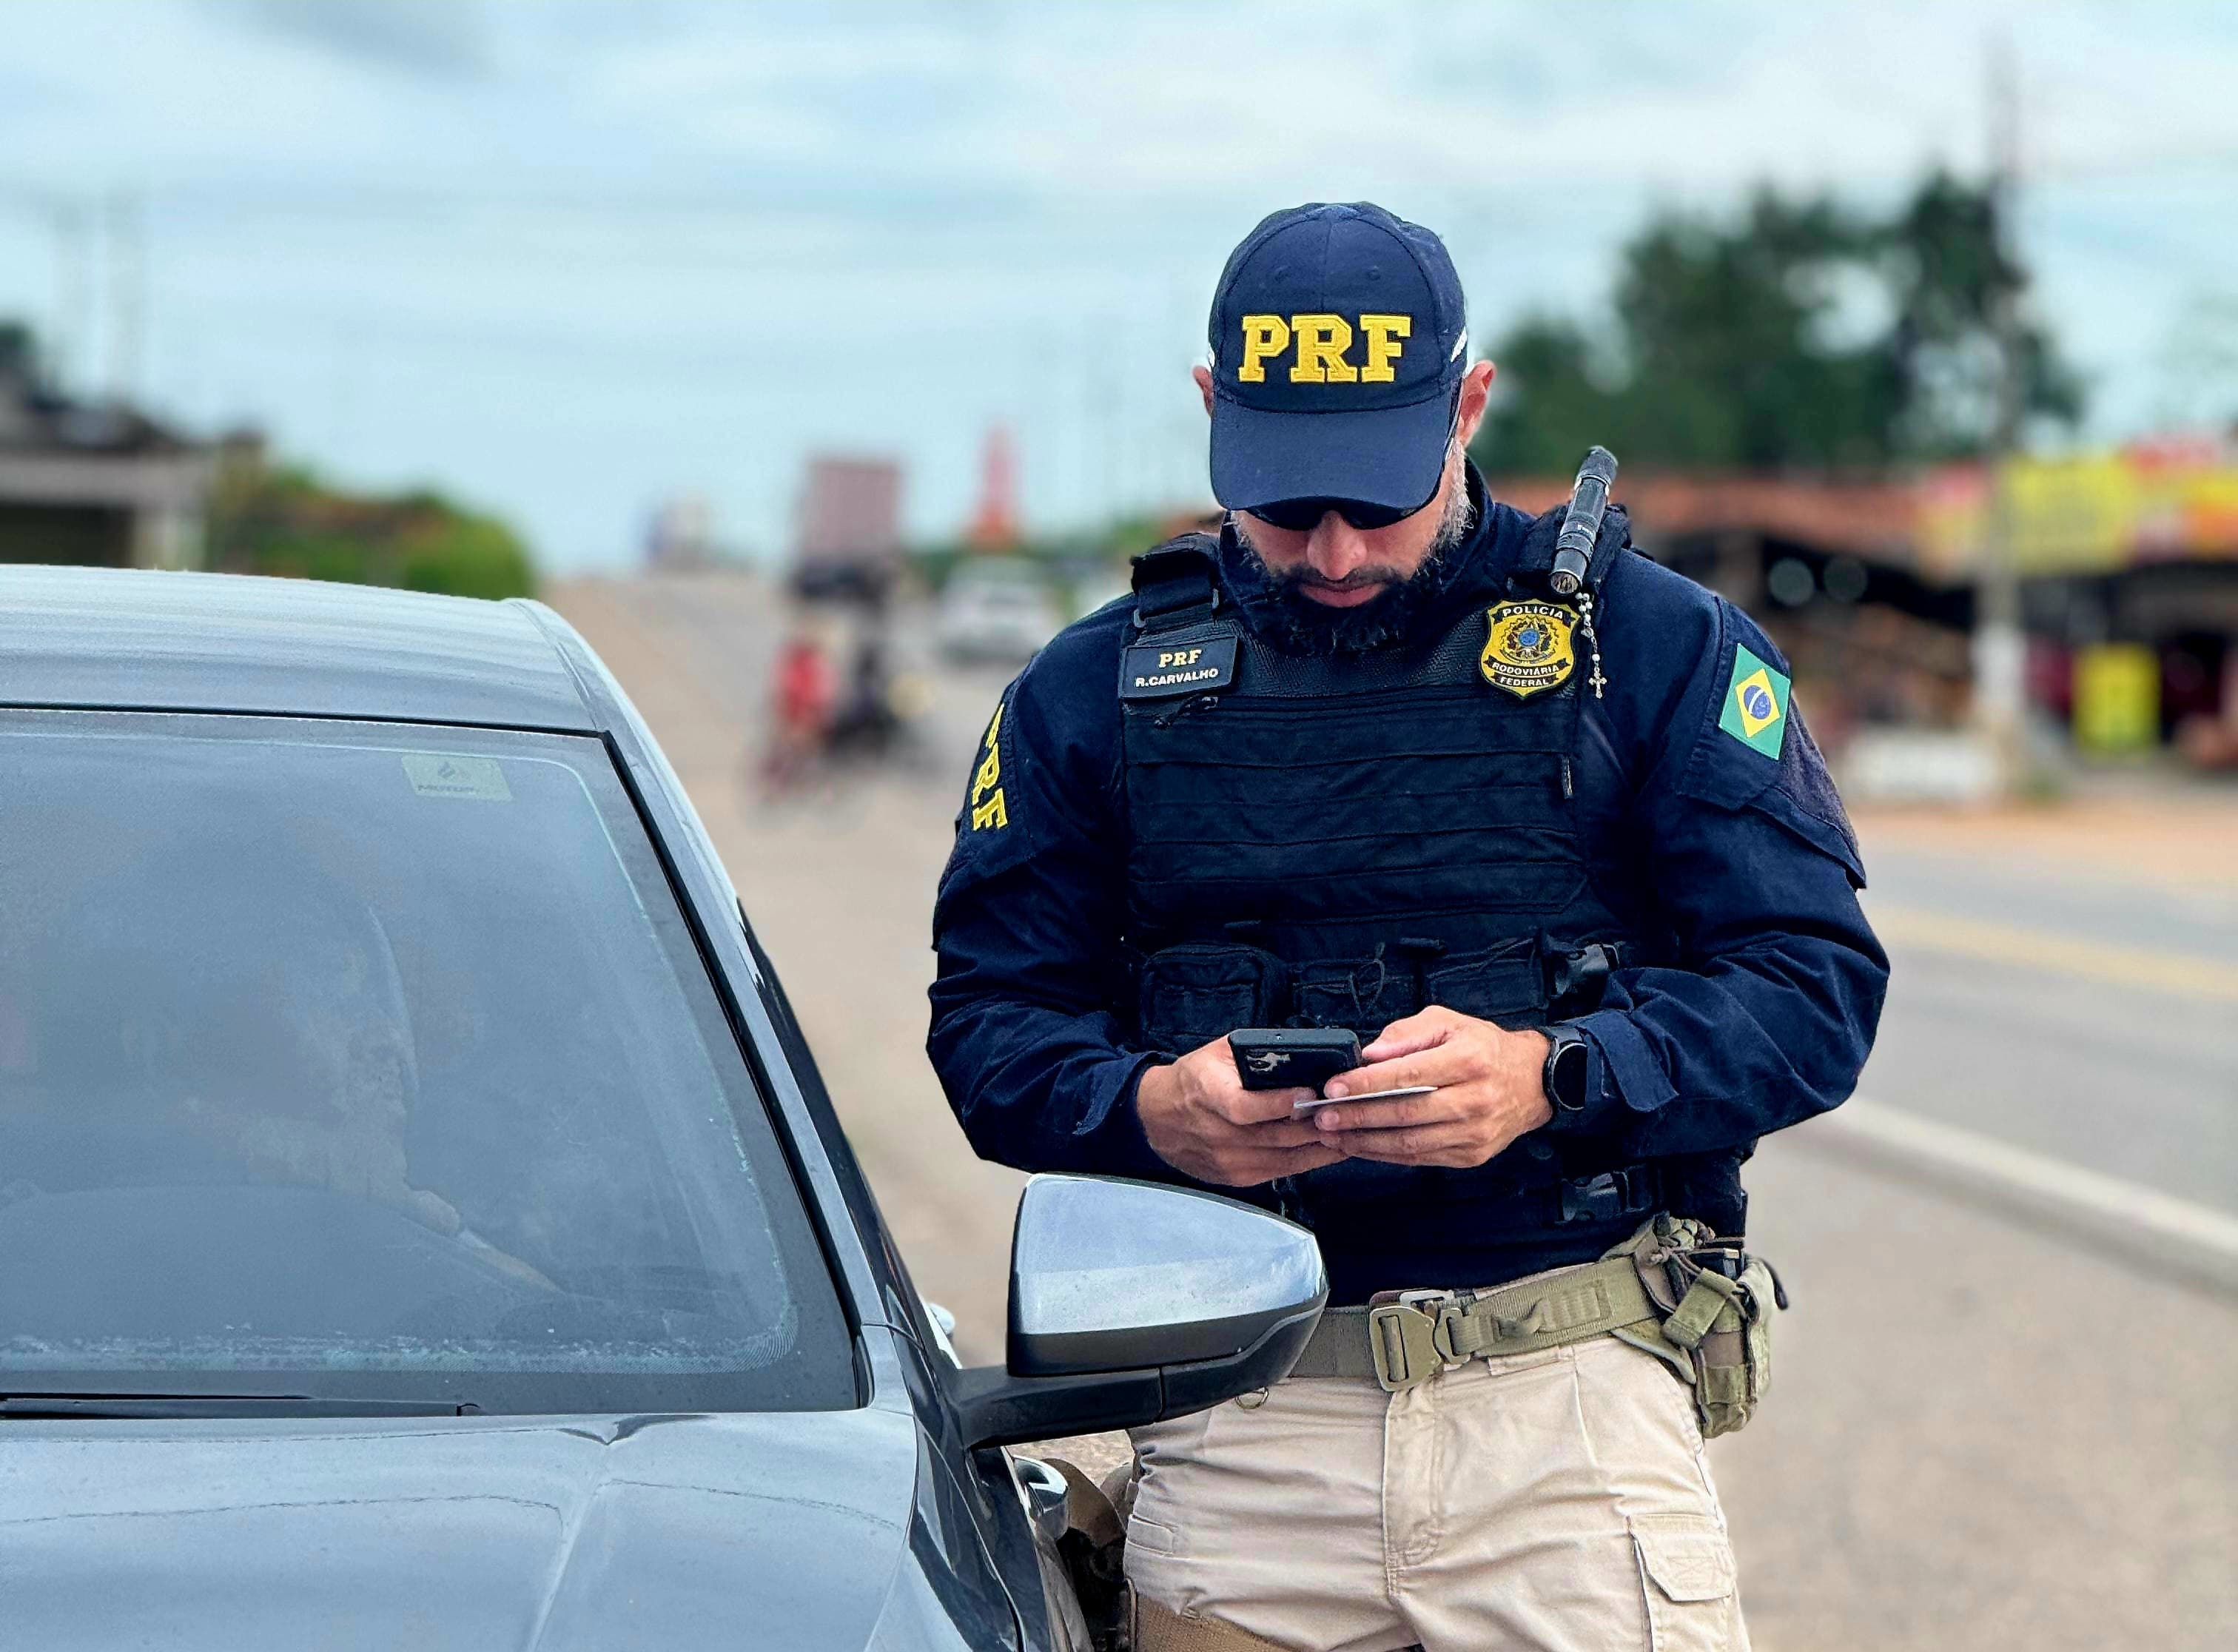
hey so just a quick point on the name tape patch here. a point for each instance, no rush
(1153, 670)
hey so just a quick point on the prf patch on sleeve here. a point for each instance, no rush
(1755, 712)
(987, 810)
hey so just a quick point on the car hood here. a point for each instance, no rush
(554, 1535)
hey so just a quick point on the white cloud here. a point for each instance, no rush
(419, 37)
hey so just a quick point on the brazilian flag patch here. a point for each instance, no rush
(1756, 705)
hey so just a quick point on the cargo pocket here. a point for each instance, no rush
(1146, 1537)
(1687, 1574)
(1191, 994)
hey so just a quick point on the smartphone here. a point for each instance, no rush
(1283, 1058)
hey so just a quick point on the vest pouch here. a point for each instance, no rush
(1188, 995)
(1504, 984)
(1366, 994)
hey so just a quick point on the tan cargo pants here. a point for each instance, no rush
(1554, 1500)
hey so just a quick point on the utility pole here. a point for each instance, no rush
(128, 295)
(2000, 645)
(73, 324)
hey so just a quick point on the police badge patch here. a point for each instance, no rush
(1529, 648)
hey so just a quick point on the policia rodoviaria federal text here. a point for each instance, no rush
(1555, 844)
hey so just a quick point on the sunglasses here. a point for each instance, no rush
(1303, 515)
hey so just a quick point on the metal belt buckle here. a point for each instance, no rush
(1411, 1346)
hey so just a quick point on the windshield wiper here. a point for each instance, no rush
(192, 1405)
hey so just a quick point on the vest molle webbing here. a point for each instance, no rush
(1340, 842)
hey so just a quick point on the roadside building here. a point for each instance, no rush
(2128, 569)
(2128, 564)
(88, 483)
(1831, 568)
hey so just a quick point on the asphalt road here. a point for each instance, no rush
(1993, 1425)
(2095, 1018)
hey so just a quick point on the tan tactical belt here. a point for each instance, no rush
(1416, 1334)
(1158, 1629)
(1673, 1289)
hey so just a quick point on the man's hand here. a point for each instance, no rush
(1491, 1088)
(1201, 1120)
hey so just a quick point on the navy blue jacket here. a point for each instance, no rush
(1744, 861)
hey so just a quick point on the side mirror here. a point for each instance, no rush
(1131, 1302)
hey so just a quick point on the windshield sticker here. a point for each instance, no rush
(438, 774)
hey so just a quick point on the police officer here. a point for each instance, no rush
(1570, 861)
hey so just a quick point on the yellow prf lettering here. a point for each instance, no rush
(990, 779)
(991, 812)
(1323, 340)
(1264, 336)
(1179, 657)
(1384, 333)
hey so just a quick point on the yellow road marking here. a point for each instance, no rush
(2184, 975)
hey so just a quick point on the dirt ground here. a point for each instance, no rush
(2185, 837)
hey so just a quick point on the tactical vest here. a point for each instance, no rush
(1343, 841)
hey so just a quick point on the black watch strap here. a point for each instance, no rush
(1569, 1059)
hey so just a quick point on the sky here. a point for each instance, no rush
(568, 260)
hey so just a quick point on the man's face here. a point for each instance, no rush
(1337, 565)
(1343, 566)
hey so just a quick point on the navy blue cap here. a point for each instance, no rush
(1339, 342)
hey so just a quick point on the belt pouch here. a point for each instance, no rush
(1718, 1300)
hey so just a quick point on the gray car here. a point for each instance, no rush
(421, 1222)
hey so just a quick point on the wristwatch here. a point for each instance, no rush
(1568, 1058)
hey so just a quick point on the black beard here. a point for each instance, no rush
(1296, 624)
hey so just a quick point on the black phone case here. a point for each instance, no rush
(1280, 1058)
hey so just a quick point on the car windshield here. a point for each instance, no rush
(368, 1060)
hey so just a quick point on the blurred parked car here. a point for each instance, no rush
(997, 612)
(1089, 594)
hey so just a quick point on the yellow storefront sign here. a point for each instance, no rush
(2117, 698)
(2073, 515)
(2090, 513)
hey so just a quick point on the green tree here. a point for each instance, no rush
(285, 519)
(459, 553)
(1739, 345)
(19, 354)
